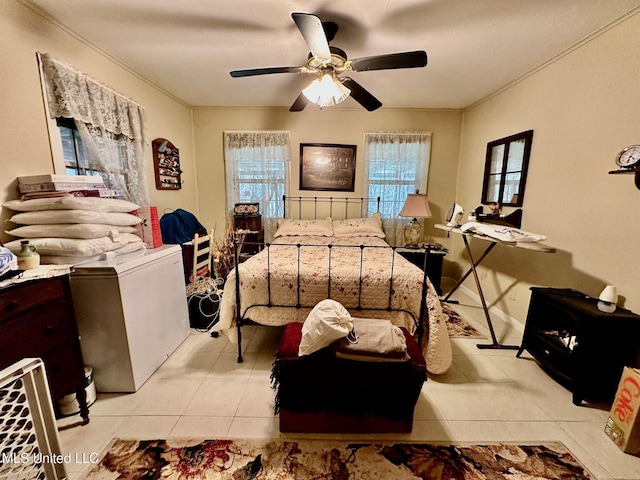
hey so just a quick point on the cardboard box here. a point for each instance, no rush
(149, 229)
(623, 424)
(59, 183)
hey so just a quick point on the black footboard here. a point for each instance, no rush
(299, 301)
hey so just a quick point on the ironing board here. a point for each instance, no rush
(534, 246)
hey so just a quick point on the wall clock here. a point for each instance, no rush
(629, 157)
(628, 161)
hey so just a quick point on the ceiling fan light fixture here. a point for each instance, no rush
(326, 91)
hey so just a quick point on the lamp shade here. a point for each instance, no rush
(416, 206)
(326, 91)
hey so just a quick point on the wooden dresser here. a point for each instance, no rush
(37, 320)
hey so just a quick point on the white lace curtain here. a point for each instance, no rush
(112, 127)
(395, 164)
(257, 170)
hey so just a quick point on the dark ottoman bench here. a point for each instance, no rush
(324, 393)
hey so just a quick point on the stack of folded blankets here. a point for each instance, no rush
(75, 230)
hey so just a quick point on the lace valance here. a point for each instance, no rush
(71, 94)
(256, 139)
(397, 137)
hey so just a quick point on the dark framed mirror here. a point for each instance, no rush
(505, 169)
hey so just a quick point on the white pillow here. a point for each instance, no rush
(48, 217)
(290, 226)
(80, 260)
(327, 322)
(95, 204)
(76, 247)
(70, 230)
(363, 227)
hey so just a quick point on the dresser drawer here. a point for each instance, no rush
(37, 331)
(15, 301)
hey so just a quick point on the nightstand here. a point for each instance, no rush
(434, 262)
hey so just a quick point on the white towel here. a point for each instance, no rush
(502, 233)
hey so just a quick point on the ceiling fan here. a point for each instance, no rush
(329, 64)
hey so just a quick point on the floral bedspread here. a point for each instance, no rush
(284, 287)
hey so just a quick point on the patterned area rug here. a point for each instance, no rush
(457, 326)
(337, 460)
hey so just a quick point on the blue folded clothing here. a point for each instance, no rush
(8, 261)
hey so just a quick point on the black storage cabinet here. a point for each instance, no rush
(584, 348)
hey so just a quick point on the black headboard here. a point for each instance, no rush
(336, 204)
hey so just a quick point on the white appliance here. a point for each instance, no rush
(454, 217)
(132, 314)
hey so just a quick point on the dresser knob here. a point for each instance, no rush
(48, 331)
(547, 352)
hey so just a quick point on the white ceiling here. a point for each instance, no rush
(475, 47)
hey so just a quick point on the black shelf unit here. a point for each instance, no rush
(434, 262)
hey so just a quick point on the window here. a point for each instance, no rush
(396, 164)
(261, 180)
(102, 132)
(505, 169)
(75, 156)
(257, 170)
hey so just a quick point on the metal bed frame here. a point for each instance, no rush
(241, 316)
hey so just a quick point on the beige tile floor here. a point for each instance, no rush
(486, 396)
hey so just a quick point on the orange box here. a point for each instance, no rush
(623, 424)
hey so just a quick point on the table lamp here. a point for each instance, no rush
(417, 206)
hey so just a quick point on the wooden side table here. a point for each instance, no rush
(255, 238)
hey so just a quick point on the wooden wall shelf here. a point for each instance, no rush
(166, 165)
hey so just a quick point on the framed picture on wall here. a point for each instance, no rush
(327, 166)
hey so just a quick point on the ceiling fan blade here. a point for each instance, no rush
(263, 71)
(394, 60)
(299, 104)
(310, 27)
(360, 95)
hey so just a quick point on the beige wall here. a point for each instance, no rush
(313, 125)
(583, 109)
(24, 136)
